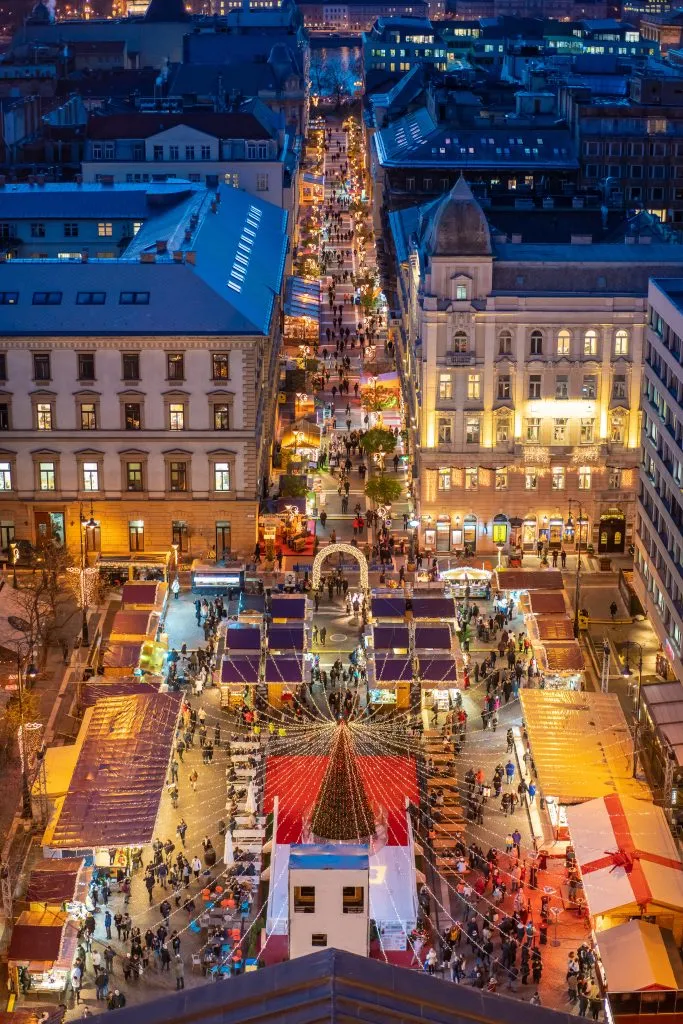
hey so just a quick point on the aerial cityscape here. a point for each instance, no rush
(341, 511)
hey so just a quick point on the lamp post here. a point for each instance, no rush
(626, 671)
(15, 558)
(23, 626)
(577, 589)
(85, 524)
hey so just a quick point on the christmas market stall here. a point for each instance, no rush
(562, 664)
(388, 638)
(41, 953)
(438, 682)
(640, 966)
(287, 607)
(131, 626)
(301, 311)
(58, 885)
(467, 581)
(243, 637)
(284, 676)
(432, 638)
(389, 681)
(240, 674)
(142, 595)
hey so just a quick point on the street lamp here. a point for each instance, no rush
(23, 626)
(577, 590)
(626, 671)
(86, 524)
(15, 558)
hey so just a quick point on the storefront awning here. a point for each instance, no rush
(284, 670)
(433, 608)
(286, 607)
(37, 936)
(636, 958)
(393, 670)
(564, 657)
(555, 627)
(289, 637)
(434, 638)
(438, 670)
(240, 670)
(529, 579)
(547, 602)
(120, 774)
(242, 638)
(302, 298)
(387, 638)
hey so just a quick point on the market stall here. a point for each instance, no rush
(286, 637)
(240, 674)
(528, 579)
(150, 595)
(467, 581)
(120, 659)
(389, 682)
(287, 607)
(131, 626)
(242, 637)
(283, 675)
(212, 578)
(438, 682)
(432, 608)
(545, 602)
(55, 884)
(388, 607)
(390, 638)
(582, 749)
(41, 953)
(433, 638)
(252, 608)
(302, 300)
(562, 665)
(642, 970)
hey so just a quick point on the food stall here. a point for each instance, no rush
(389, 638)
(642, 972)
(240, 636)
(430, 608)
(119, 660)
(438, 678)
(41, 953)
(132, 626)
(389, 682)
(433, 638)
(240, 674)
(57, 884)
(528, 579)
(389, 607)
(252, 608)
(287, 607)
(285, 637)
(301, 324)
(466, 581)
(284, 675)
(562, 666)
(212, 578)
(141, 595)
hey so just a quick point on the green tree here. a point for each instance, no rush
(378, 441)
(383, 490)
(293, 486)
(377, 398)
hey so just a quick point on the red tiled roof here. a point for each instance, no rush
(233, 125)
(555, 628)
(564, 657)
(547, 602)
(529, 579)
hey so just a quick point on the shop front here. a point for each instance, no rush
(529, 535)
(41, 954)
(612, 535)
(389, 687)
(239, 678)
(501, 529)
(555, 532)
(469, 534)
(466, 581)
(438, 683)
(443, 534)
(284, 676)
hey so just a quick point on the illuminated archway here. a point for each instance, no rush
(345, 549)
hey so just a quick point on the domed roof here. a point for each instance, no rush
(166, 10)
(459, 227)
(40, 15)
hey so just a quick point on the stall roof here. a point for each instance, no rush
(241, 637)
(384, 607)
(120, 774)
(37, 936)
(547, 602)
(240, 670)
(54, 881)
(252, 603)
(673, 733)
(111, 686)
(667, 714)
(131, 624)
(626, 854)
(437, 638)
(638, 957)
(290, 637)
(386, 638)
(122, 655)
(288, 607)
(590, 725)
(564, 657)
(555, 627)
(139, 595)
(662, 693)
(433, 608)
(302, 298)
(438, 670)
(284, 670)
(529, 579)
(393, 670)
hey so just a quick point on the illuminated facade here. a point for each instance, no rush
(522, 365)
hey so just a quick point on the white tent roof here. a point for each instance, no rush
(635, 958)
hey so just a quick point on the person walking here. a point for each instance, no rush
(179, 971)
(107, 922)
(175, 588)
(509, 772)
(323, 635)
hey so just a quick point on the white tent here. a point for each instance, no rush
(228, 852)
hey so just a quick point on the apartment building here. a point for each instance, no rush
(520, 337)
(142, 386)
(659, 535)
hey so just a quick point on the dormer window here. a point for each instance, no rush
(460, 292)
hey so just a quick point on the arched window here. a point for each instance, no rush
(590, 343)
(505, 343)
(536, 343)
(460, 342)
(621, 343)
(564, 341)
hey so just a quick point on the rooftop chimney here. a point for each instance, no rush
(177, 255)
(161, 246)
(191, 257)
(148, 257)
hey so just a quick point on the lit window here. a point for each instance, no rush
(445, 431)
(471, 478)
(178, 476)
(617, 427)
(105, 229)
(221, 366)
(533, 430)
(584, 478)
(563, 343)
(621, 343)
(221, 476)
(444, 479)
(503, 430)
(221, 417)
(176, 411)
(560, 430)
(530, 480)
(473, 386)
(614, 479)
(558, 478)
(134, 476)
(47, 476)
(175, 364)
(445, 386)
(501, 480)
(472, 430)
(587, 431)
(44, 416)
(91, 476)
(5, 476)
(460, 342)
(88, 416)
(460, 292)
(590, 343)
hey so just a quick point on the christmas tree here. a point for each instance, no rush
(342, 812)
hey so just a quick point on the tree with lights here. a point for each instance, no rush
(342, 811)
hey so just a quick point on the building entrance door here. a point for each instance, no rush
(49, 527)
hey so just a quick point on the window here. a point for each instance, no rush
(90, 298)
(617, 427)
(621, 343)
(471, 478)
(221, 476)
(304, 900)
(136, 535)
(560, 430)
(504, 386)
(3, 366)
(133, 476)
(614, 479)
(44, 416)
(47, 298)
(619, 386)
(533, 430)
(5, 476)
(71, 230)
(460, 292)
(175, 366)
(134, 299)
(37, 230)
(318, 939)
(563, 343)
(88, 416)
(47, 477)
(535, 386)
(445, 386)
(206, 152)
(503, 430)
(178, 476)
(530, 480)
(562, 386)
(473, 386)
(353, 899)
(472, 430)
(158, 153)
(589, 388)
(444, 479)
(221, 366)
(4, 415)
(131, 366)
(105, 229)
(9, 298)
(536, 343)
(86, 365)
(41, 366)
(584, 478)
(558, 478)
(445, 431)
(504, 343)
(587, 431)
(221, 416)
(261, 182)
(176, 416)
(132, 416)
(91, 476)
(232, 179)
(460, 342)
(590, 343)
(501, 478)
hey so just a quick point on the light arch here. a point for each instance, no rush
(344, 549)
